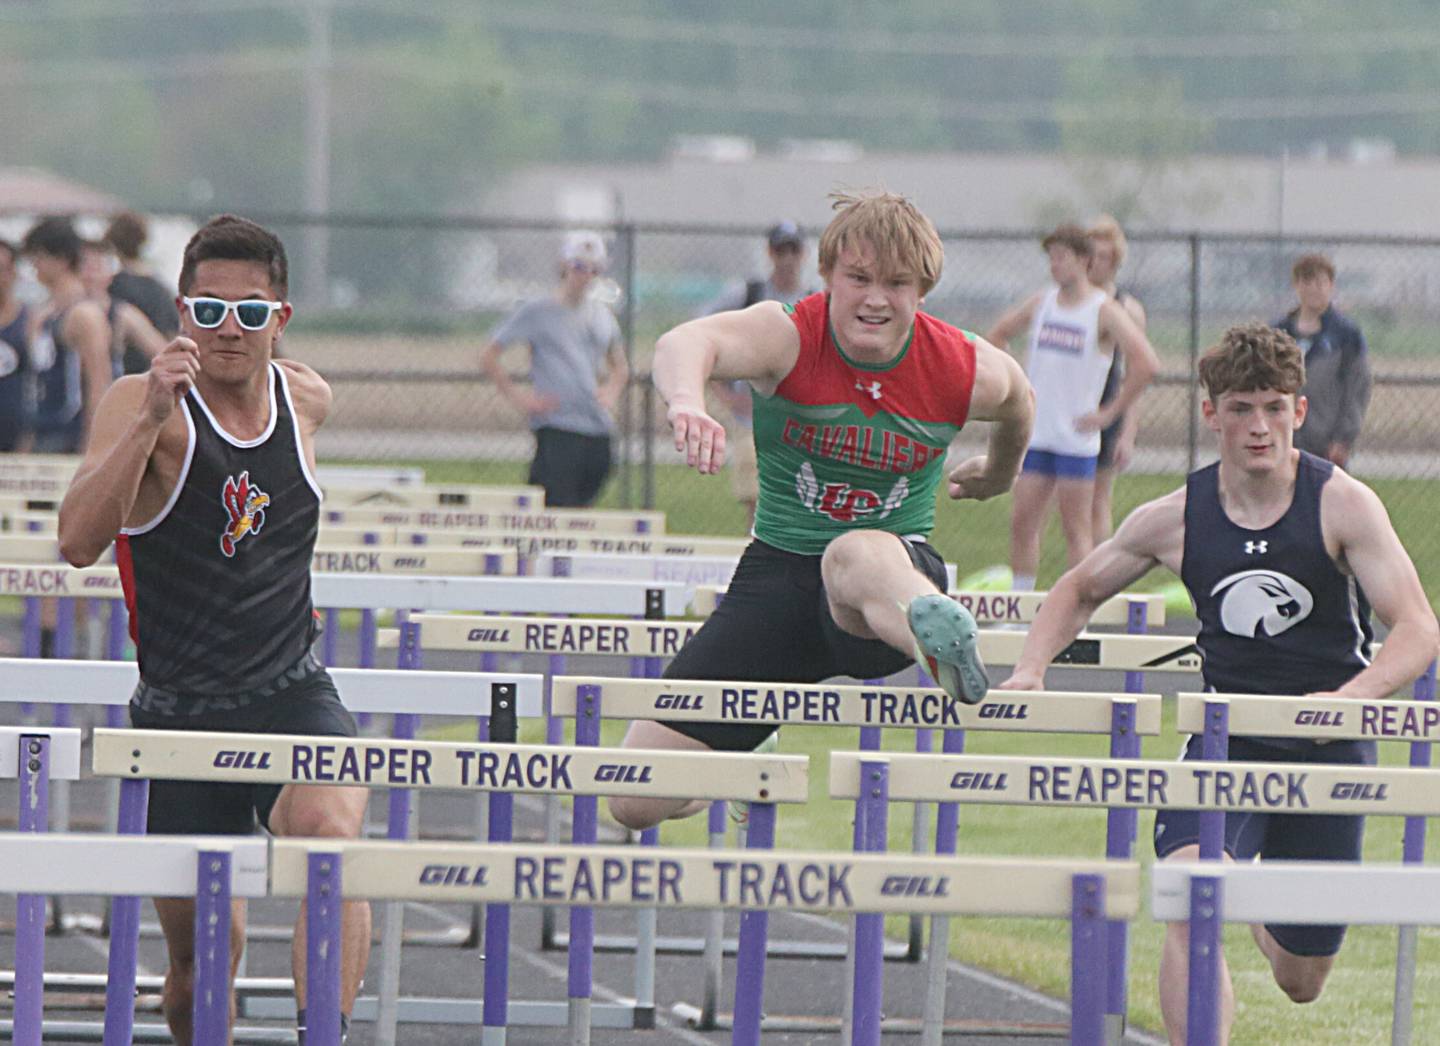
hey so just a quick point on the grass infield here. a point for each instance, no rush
(1356, 1005)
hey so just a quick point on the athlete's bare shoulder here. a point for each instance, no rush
(1156, 530)
(310, 393)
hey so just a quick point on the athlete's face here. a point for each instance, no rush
(229, 353)
(1314, 292)
(872, 312)
(8, 273)
(1256, 429)
(1102, 262)
(1066, 267)
(96, 269)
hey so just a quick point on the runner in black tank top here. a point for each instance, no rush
(1278, 551)
(205, 464)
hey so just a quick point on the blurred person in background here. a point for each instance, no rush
(1117, 442)
(69, 341)
(132, 337)
(1075, 329)
(134, 283)
(1337, 362)
(14, 355)
(571, 337)
(785, 245)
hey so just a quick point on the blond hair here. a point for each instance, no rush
(1107, 229)
(902, 238)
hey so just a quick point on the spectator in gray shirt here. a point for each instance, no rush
(571, 337)
(1337, 363)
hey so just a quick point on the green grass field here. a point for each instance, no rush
(1356, 1005)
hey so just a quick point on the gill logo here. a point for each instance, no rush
(245, 505)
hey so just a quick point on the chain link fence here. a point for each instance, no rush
(395, 312)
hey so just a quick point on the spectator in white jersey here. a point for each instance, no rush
(785, 245)
(571, 336)
(1072, 325)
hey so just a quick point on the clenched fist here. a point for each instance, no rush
(172, 374)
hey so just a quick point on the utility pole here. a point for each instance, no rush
(315, 267)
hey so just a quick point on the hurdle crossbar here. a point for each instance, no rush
(1304, 892)
(62, 759)
(162, 866)
(567, 770)
(617, 522)
(540, 635)
(419, 559)
(1299, 788)
(379, 497)
(851, 705)
(1330, 718)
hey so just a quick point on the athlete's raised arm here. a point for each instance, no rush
(759, 344)
(1014, 320)
(1355, 521)
(1002, 395)
(1154, 534)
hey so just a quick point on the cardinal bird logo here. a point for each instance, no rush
(245, 504)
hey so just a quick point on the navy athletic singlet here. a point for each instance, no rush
(14, 371)
(60, 391)
(218, 584)
(1276, 614)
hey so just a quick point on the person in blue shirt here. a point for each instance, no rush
(1279, 550)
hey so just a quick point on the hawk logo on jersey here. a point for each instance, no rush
(1262, 602)
(245, 505)
(844, 503)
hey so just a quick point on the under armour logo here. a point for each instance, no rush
(873, 388)
(1252, 547)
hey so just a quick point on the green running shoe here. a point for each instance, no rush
(946, 644)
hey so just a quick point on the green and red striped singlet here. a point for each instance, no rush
(844, 445)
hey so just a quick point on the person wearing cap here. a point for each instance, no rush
(572, 338)
(785, 244)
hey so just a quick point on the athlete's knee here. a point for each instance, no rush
(321, 818)
(1301, 981)
(178, 994)
(634, 814)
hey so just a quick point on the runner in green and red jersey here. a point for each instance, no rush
(857, 396)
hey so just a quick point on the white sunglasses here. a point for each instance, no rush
(253, 314)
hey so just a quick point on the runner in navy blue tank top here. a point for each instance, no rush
(205, 468)
(14, 354)
(1278, 550)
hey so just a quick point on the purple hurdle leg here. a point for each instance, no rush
(212, 948)
(1202, 1022)
(582, 920)
(330, 646)
(497, 933)
(947, 837)
(1413, 853)
(62, 715)
(1120, 828)
(870, 926)
(554, 735)
(323, 950)
(869, 742)
(124, 927)
(1215, 745)
(34, 780)
(754, 934)
(1087, 959)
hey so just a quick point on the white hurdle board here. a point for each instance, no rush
(419, 692)
(1304, 892)
(429, 496)
(832, 705)
(442, 516)
(192, 755)
(487, 633)
(1326, 718)
(997, 607)
(64, 751)
(1103, 650)
(1294, 788)
(126, 865)
(418, 559)
(688, 878)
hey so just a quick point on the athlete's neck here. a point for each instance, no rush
(1308, 321)
(1256, 500)
(570, 296)
(66, 291)
(241, 408)
(1075, 292)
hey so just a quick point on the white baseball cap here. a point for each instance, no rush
(584, 246)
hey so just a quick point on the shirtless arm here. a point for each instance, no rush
(88, 333)
(137, 330)
(1002, 395)
(759, 344)
(1153, 534)
(128, 424)
(312, 398)
(1015, 319)
(1353, 516)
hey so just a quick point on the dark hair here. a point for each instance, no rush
(1069, 235)
(1251, 357)
(1308, 266)
(55, 237)
(231, 238)
(127, 233)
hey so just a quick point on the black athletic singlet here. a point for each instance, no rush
(14, 372)
(218, 584)
(1276, 614)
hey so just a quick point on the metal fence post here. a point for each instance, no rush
(626, 235)
(1192, 427)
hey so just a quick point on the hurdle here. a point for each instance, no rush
(1086, 892)
(499, 769)
(1218, 715)
(377, 496)
(459, 516)
(1301, 788)
(1292, 892)
(212, 870)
